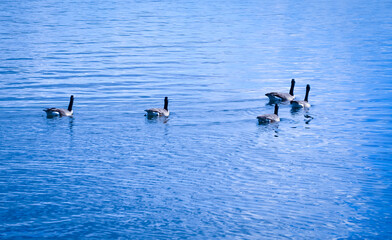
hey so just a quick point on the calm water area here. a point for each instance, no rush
(208, 171)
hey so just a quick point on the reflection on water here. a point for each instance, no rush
(152, 119)
(70, 125)
(269, 128)
(209, 170)
(297, 111)
(308, 118)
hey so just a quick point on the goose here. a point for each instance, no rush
(55, 112)
(269, 118)
(159, 112)
(282, 97)
(304, 103)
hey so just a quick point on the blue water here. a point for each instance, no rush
(209, 171)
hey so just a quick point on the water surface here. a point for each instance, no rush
(209, 171)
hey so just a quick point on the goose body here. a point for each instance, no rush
(60, 112)
(300, 104)
(269, 118)
(304, 103)
(282, 97)
(159, 112)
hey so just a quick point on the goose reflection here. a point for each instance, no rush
(71, 124)
(308, 118)
(153, 120)
(297, 111)
(269, 128)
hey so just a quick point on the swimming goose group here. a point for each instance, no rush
(61, 112)
(274, 97)
(278, 97)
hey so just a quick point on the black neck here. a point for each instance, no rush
(307, 92)
(292, 87)
(276, 109)
(70, 103)
(166, 103)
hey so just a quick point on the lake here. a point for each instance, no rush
(209, 170)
